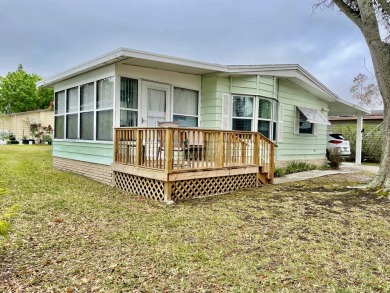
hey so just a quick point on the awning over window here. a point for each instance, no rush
(314, 116)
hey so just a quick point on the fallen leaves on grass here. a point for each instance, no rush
(76, 235)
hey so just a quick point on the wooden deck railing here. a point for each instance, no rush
(186, 149)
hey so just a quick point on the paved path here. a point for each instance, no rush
(345, 168)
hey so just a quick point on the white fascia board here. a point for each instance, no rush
(285, 71)
(293, 71)
(123, 54)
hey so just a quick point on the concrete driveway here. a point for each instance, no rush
(344, 169)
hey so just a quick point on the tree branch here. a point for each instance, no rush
(384, 5)
(351, 14)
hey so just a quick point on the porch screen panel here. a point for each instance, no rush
(59, 127)
(71, 126)
(185, 107)
(105, 93)
(72, 100)
(59, 103)
(128, 118)
(87, 94)
(104, 125)
(129, 102)
(86, 125)
(59, 118)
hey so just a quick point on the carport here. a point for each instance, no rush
(342, 108)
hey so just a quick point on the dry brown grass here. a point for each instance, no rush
(75, 235)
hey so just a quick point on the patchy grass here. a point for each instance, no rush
(75, 235)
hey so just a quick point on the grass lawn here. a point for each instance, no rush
(71, 234)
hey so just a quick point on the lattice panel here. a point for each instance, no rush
(151, 188)
(207, 186)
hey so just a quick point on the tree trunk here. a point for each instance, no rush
(380, 53)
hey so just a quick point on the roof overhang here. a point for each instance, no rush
(298, 75)
(293, 72)
(136, 58)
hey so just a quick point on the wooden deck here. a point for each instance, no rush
(167, 163)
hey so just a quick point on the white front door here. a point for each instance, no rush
(156, 103)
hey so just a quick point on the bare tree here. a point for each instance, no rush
(366, 92)
(372, 16)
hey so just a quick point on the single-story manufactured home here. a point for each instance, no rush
(171, 128)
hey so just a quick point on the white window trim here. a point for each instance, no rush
(296, 125)
(255, 118)
(95, 110)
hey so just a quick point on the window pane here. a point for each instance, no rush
(71, 100)
(265, 107)
(242, 106)
(185, 121)
(305, 127)
(242, 124)
(105, 93)
(185, 101)
(59, 127)
(59, 102)
(274, 133)
(129, 93)
(87, 93)
(104, 125)
(71, 126)
(86, 125)
(157, 100)
(128, 118)
(264, 128)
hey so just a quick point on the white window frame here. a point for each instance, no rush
(139, 102)
(186, 115)
(273, 121)
(297, 121)
(79, 111)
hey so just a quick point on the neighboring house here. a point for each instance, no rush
(127, 88)
(16, 123)
(375, 118)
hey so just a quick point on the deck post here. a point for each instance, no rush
(167, 192)
(116, 152)
(256, 154)
(168, 149)
(272, 163)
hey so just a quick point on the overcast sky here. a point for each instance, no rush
(49, 36)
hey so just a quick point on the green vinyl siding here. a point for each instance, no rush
(98, 153)
(294, 146)
(253, 85)
(213, 88)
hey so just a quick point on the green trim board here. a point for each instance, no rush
(99, 153)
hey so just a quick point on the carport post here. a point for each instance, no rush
(359, 139)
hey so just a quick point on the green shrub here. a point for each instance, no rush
(335, 158)
(294, 167)
(279, 172)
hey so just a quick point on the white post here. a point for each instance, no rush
(359, 139)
